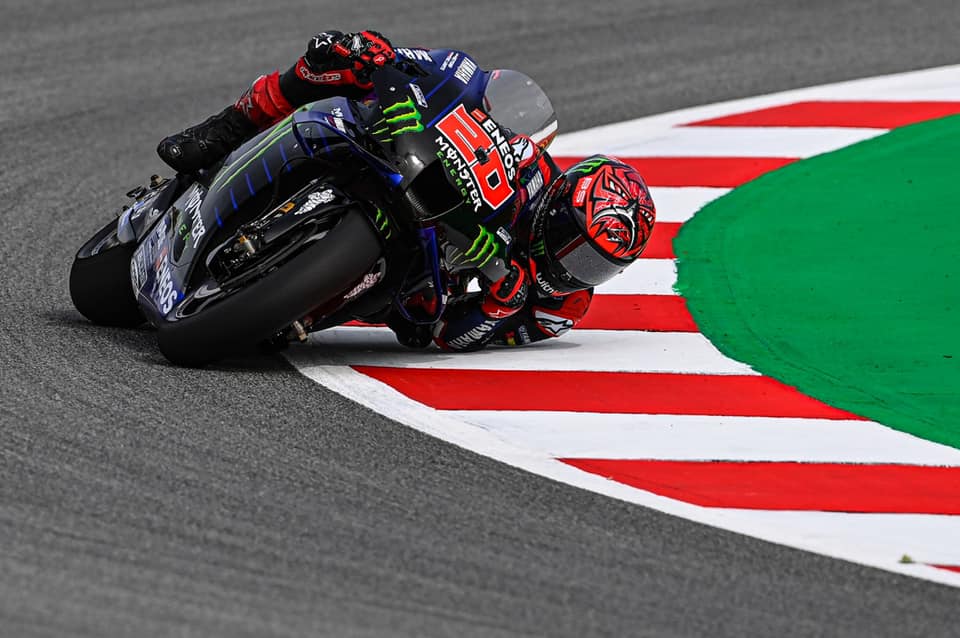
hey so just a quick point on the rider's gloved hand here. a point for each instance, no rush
(335, 58)
(368, 50)
(507, 295)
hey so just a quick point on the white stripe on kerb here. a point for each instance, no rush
(596, 350)
(679, 204)
(644, 277)
(706, 438)
(940, 84)
(925, 538)
(720, 141)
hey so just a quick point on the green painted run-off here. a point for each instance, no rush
(840, 275)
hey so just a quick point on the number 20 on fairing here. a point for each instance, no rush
(467, 136)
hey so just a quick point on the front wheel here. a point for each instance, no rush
(263, 308)
(100, 280)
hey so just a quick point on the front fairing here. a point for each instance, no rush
(457, 165)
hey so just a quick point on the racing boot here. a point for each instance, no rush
(203, 145)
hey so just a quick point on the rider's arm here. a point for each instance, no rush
(509, 306)
(546, 317)
(469, 323)
(334, 64)
(466, 326)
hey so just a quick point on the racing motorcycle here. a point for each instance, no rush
(342, 211)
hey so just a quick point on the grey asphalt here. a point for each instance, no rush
(137, 499)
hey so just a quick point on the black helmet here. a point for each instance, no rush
(594, 222)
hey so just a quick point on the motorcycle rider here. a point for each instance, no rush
(573, 230)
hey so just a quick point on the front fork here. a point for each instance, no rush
(432, 284)
(149, 204)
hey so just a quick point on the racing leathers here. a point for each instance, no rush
(521, 307)
(517, 307)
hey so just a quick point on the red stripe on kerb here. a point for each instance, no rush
(657, 313)
(720, 172)
(606, 392)
(951, 568)
(830, 487)
(660, 244)
(839, 114)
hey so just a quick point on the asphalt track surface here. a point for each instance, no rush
(137, 499)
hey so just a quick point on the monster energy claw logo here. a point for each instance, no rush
(587, 166)
(402, 117)
(484, 248)
(383, 224)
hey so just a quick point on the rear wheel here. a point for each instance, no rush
(100, 280)
(260, 310)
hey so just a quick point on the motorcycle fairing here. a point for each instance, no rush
(196, 215)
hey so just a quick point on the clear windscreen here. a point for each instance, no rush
(516, 102)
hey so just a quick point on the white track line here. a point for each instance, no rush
(699, 438)
(925, 538)
(937, 84)
(678, 204)
(644, 277)
(726, 141)
(596, 350)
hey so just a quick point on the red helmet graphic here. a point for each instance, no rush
(596, 223)
(617, 207)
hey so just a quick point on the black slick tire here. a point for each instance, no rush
(100, 282)
(258, 311)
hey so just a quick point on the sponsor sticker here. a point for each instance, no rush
(553, 325)
(145, 256)
(583, 186)
(316, 199)
(415, 54)
(164, 292)
(327, 77)
(449, 61)
(475, 150)
(466, 70)
(338, 123)
(418, 95)
(474, 335)
(546, 287)
(368, 281)
(191, 215)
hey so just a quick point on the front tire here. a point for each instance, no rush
(263, 308)
(100, 280)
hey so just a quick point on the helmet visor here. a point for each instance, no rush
(573, 259)
(585, 264)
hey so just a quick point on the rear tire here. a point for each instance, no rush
(100, 281)
(260, 310)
